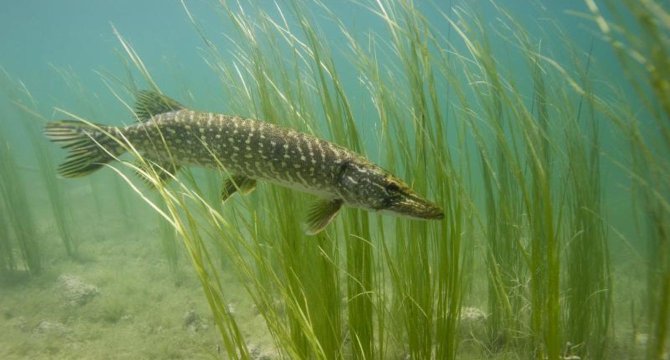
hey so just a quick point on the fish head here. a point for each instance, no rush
(370, 187)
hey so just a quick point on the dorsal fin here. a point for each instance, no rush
(150, 103)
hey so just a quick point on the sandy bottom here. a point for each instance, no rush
(120, 301)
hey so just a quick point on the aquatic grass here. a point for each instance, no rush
(588, 284)
(642, 50)
(504, 216)
(514, 253)
(57, 198)
(8, 261)
(80, 94)
(424, 307)
(31, 120)
(544, 208)
(90, 107)
(359, 249)
(429, 306)
(169, 244)
(22, 237)
(185, 224)
(312, 292)
(586, 288)
(20, 231)
(189, 226)
(176, 213)
(530, 216)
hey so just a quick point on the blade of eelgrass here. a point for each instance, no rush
(73, 82)
(19, 214)
(588, 267)
(502, 182)
(7, 257)
(428, 304)
(414, 284)
(177, 213)
(19, 227)
(359, 252)
(169, 244)
(306, 286)
(524, 139)
(545, 225)
(643, 54)
(184, 222)
(57, 199)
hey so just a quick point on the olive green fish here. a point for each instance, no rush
(172, 136)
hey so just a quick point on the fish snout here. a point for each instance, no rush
(418, 208)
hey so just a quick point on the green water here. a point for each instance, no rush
(544, 140)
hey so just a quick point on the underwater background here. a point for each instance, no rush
(541, 127)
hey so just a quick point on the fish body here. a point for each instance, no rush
(247, 147)
(248, 150)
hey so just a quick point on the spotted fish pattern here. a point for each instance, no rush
(248, 150)
(248, 147)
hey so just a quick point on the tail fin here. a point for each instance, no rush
(91, 146)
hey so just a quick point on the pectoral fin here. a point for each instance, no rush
(235, 183)
(321, 214)
(164, 170)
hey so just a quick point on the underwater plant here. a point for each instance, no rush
(639, 35)
(20, 231)
(30, 118)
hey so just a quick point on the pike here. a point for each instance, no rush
(171, 136)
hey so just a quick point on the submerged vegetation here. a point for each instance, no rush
(20, 248)
(645, 56)
(515, 158)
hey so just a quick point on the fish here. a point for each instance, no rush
(172, 136)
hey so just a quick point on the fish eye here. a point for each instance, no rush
(392, 187)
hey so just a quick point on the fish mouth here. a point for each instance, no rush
(417, 208)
